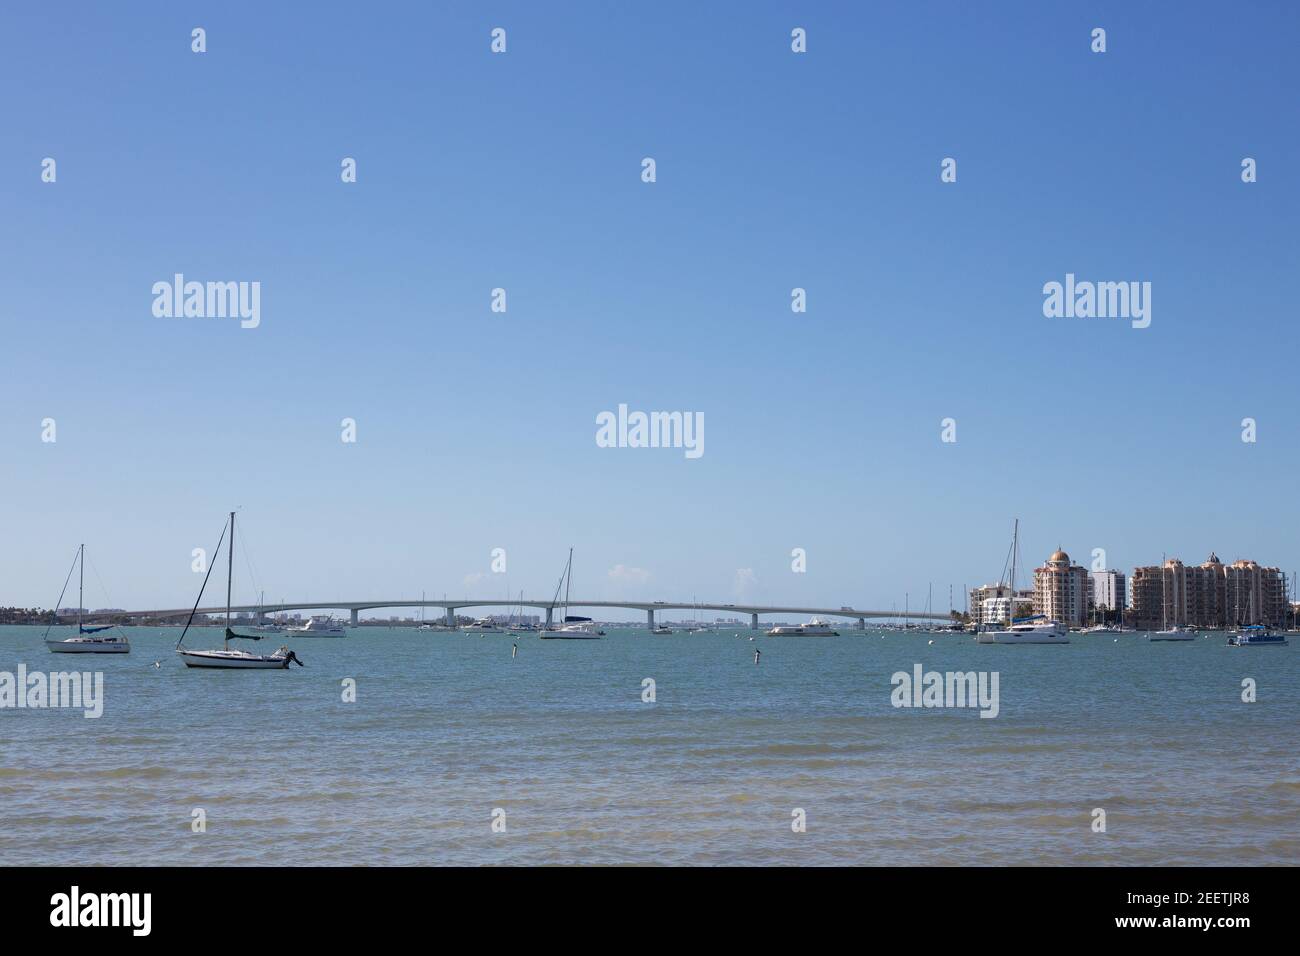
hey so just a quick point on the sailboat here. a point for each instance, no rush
(1031, 630)
(573, 628)
(89, 638)
(227, 657)
(1177, 632)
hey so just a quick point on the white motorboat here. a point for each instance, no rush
(320, 627)
(484, 626)
(226, 657)
(90, 638)
(814, 628)
(661, 629)
(1176, 633)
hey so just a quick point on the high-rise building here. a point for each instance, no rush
(1109, 590)
(1061, 590)
(1211, 595)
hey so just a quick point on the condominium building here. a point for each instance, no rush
(989, 603)
(1109, 590)
(1211, 595)
(1062, 590)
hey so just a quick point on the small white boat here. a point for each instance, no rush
(225, 657)
(661, 629)
(90, 638)
(1176, 633)
(320, 627)
(484, 626)
(814, 628)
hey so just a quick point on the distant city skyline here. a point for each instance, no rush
(827, 430)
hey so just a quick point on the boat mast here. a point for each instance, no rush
(81, 587)
(1011, 603)
(230, 574)
(568, 579)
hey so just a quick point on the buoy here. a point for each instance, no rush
(514, 650)
(757, 652)
(931, 642)
(157, 663)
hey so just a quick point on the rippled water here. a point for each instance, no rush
(447, 727)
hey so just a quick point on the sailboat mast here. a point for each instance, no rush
(1015, 546)
(81, 587)
(230, 574)
(568, 579)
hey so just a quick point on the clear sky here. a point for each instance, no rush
(522, 170)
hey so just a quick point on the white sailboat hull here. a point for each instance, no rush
(233, 660)
(1172, 636)
(569, 634)
(87, 646)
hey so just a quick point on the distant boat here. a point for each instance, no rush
(90, 638)
(1030, 630)
(661, 629)
(319, 627)
(1257, 635)
(225, 657)
(1166, 633)
(814, 628)
(573, 628)
(484, 625)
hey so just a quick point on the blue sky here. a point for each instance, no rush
(522, 170)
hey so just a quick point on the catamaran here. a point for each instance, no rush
(227, 657)
(573, 628)
(1029, 630)
(90, 638)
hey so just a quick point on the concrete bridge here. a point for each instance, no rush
(451, 605)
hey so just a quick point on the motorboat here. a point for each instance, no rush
(1257, 635)
(320, 627)
(814, 628)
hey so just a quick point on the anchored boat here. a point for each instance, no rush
(226, 657)
(574, 628)
(1257, 635)
(814, 628)
(90, 638)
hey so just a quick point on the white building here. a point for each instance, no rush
(1109, 590)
